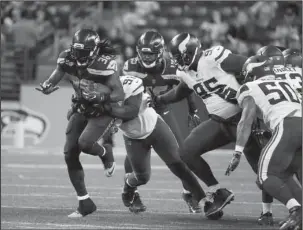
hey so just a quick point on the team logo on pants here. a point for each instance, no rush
(36, 125)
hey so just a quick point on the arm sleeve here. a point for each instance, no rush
(233, 63)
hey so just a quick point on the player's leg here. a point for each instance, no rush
(274, 172)
(90, 142)
(166, 146)
(209, 135)
(76, 125)
(252, 152)
(172, 122)
(138, 153)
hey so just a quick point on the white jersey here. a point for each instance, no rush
(291, 74)
(144, 124)
(213, 84)
(275, 99)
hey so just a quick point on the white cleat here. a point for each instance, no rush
(75, 214)
(109, 172)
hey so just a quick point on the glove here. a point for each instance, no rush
(95, 97)
(87, 85)
(193, 120)
(47, 88)
(233, 163)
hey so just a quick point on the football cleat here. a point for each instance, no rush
(133, 201)
(215, 216)
(85, 208)
(294, 220)
(108, 161)
(266, 219)
(222, 197)
(192, 203)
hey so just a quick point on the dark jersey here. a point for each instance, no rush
(157, 80)
(98, 71)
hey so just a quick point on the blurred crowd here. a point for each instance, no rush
(241, 26)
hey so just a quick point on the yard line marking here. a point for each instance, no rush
(108, 188)
(116, 198)
(78, 225)
(149, 210)
(118, 151)
(91, 166)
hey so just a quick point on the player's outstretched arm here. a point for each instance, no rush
(129, 110)
(233, 63)
(176, 94)
(114, 83)
(243, 131)
(49, 85)
(247, 119)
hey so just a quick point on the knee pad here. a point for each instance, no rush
(142, 178)
(72, 162)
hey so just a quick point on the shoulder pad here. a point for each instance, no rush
(132, 86)
(62, 56)
(243, 92)
(132, 67)
(216, 54)
(103, 65)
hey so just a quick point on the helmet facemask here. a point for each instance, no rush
(83, 56)
(148, 58)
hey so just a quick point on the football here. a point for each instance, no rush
(90, 86)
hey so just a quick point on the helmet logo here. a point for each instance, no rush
(251, 66)
(182, 45)
(78, 45)
(146, 49)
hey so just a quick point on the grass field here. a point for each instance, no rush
(36, 194)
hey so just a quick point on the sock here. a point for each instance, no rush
(77, 179)
(213, 188)
(266, 207)
(83, 197)
(292, 203)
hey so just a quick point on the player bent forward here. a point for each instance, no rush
(143, 128)
(280, 106)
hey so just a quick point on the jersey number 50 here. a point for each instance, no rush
(282, 89)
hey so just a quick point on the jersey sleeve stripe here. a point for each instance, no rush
(100, 72)
(141, 85)
(220, 55)
(134, 74)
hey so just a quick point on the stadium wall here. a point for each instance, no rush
(46, 117)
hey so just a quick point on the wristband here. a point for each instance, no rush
(239, 148)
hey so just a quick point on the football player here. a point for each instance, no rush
(87, 122)
(279, 105)
(288, 65)
(159, 75)
(211, 75)
(144, 129)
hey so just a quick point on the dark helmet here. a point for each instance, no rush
(150, 48)
(184, 48)
(257, 67)
(275, 54)
(292, 58)
(84, 47)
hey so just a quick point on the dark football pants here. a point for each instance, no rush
(209, 135)
(165, 145)
(279, 161)
(171, 120)
(82, 135)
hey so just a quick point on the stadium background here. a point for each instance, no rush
(34, 33)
